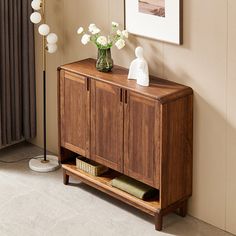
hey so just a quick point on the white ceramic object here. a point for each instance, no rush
(37, 164)
(44, 29)
(35, 17)
(52, 38)
(51, 48)
(139, 68)
(36, 5)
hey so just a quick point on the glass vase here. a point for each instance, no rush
(104, 60)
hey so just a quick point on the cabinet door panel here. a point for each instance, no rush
(75, 114)
(141, 139)
(107, 125)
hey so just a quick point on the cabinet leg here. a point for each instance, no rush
(183, 209)
(158, 221)
(65, 178)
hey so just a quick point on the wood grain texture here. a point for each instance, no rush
(103, 183)
(75, 106)
(66, 177)
(141, 126)
(144, 132)
(176, 150)
(160, 89)
(106, 125)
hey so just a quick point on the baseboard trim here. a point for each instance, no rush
(13, 143)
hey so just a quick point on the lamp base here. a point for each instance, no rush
(39, 165)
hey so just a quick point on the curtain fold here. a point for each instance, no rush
(17, 72)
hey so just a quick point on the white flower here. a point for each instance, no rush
(80, 30)
(119, 32)
(102, 40)
(96, 30)
(120, 43)
(114, 24)
(85, 39)
(91, 27)
(125, 33)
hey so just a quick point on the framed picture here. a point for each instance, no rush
(157, 19)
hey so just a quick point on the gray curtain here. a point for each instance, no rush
(17, 72)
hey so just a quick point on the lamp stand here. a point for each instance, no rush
(44, 163)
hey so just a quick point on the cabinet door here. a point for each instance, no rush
(74, 102)
(141, 143)
(107, 125)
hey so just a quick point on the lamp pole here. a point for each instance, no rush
(44, 163)
(44, 92)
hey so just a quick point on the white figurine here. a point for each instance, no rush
(139, 68)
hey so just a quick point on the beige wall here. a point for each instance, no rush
(55, 20)
(231, 120)
(206, 62)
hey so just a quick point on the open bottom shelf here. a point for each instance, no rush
(103, 183)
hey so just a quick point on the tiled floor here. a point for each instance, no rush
(34, 204)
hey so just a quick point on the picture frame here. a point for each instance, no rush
(156, 19)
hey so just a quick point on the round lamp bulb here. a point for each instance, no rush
(35, 17)
(52, 38)
(51, 48)
(44, 29)
(36, 4)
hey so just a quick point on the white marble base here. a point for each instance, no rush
(38, 165)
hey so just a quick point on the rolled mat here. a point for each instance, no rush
(134, 187)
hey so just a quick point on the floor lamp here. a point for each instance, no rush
(44, 163)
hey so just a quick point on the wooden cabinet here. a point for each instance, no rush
(107, 125)
(75, 106)
(142, 132)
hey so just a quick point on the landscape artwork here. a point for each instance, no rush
(156, 19)
(152, 7)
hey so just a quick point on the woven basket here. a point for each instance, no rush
(90, 167)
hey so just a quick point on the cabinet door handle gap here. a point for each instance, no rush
(121, 95)
(126, 97)
(87, 84)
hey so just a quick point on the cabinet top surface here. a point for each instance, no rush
(160, 89)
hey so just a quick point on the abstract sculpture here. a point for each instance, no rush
(139, 68)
